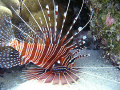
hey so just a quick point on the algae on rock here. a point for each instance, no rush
(105, 26)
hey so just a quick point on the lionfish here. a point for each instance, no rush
(48, 50)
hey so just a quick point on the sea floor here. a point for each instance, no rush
(96, 73)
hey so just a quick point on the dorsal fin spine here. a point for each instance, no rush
(22, 20)
(63, 39)
(65, 14)
(79, 29)
(44, 17)
(32, 17)
(79, 43)
(42, 27)
(56, 16)
(20, 29)
(50, 32)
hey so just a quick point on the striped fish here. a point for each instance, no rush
(43, 47)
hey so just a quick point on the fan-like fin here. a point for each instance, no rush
(64, 75)
(9, 57)
(6, 31)
(50, 78)
(62, 78)
(33, 73)
(56, 79)
(72, 75)
(69, 79)
(56, 75)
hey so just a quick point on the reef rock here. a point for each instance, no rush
(6, 10)
(35, 9)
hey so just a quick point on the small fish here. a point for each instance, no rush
(43, 47)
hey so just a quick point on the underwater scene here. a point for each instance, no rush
(59, 44)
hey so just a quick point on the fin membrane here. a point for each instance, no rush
(6, 31)
(56, 75)
(9, 57)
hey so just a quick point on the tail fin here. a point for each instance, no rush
(6, 31)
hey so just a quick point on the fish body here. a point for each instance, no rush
(43, 55)
(49, 51)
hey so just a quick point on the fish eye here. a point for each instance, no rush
(58, 61)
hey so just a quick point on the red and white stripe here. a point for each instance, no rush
(43, 55)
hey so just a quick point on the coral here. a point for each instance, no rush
(105, 26)
(34, 7)
(37, 12)
(6, 10)
(13, 3)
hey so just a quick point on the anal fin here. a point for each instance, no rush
(58, 75)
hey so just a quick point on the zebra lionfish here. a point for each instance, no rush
(49, 51)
